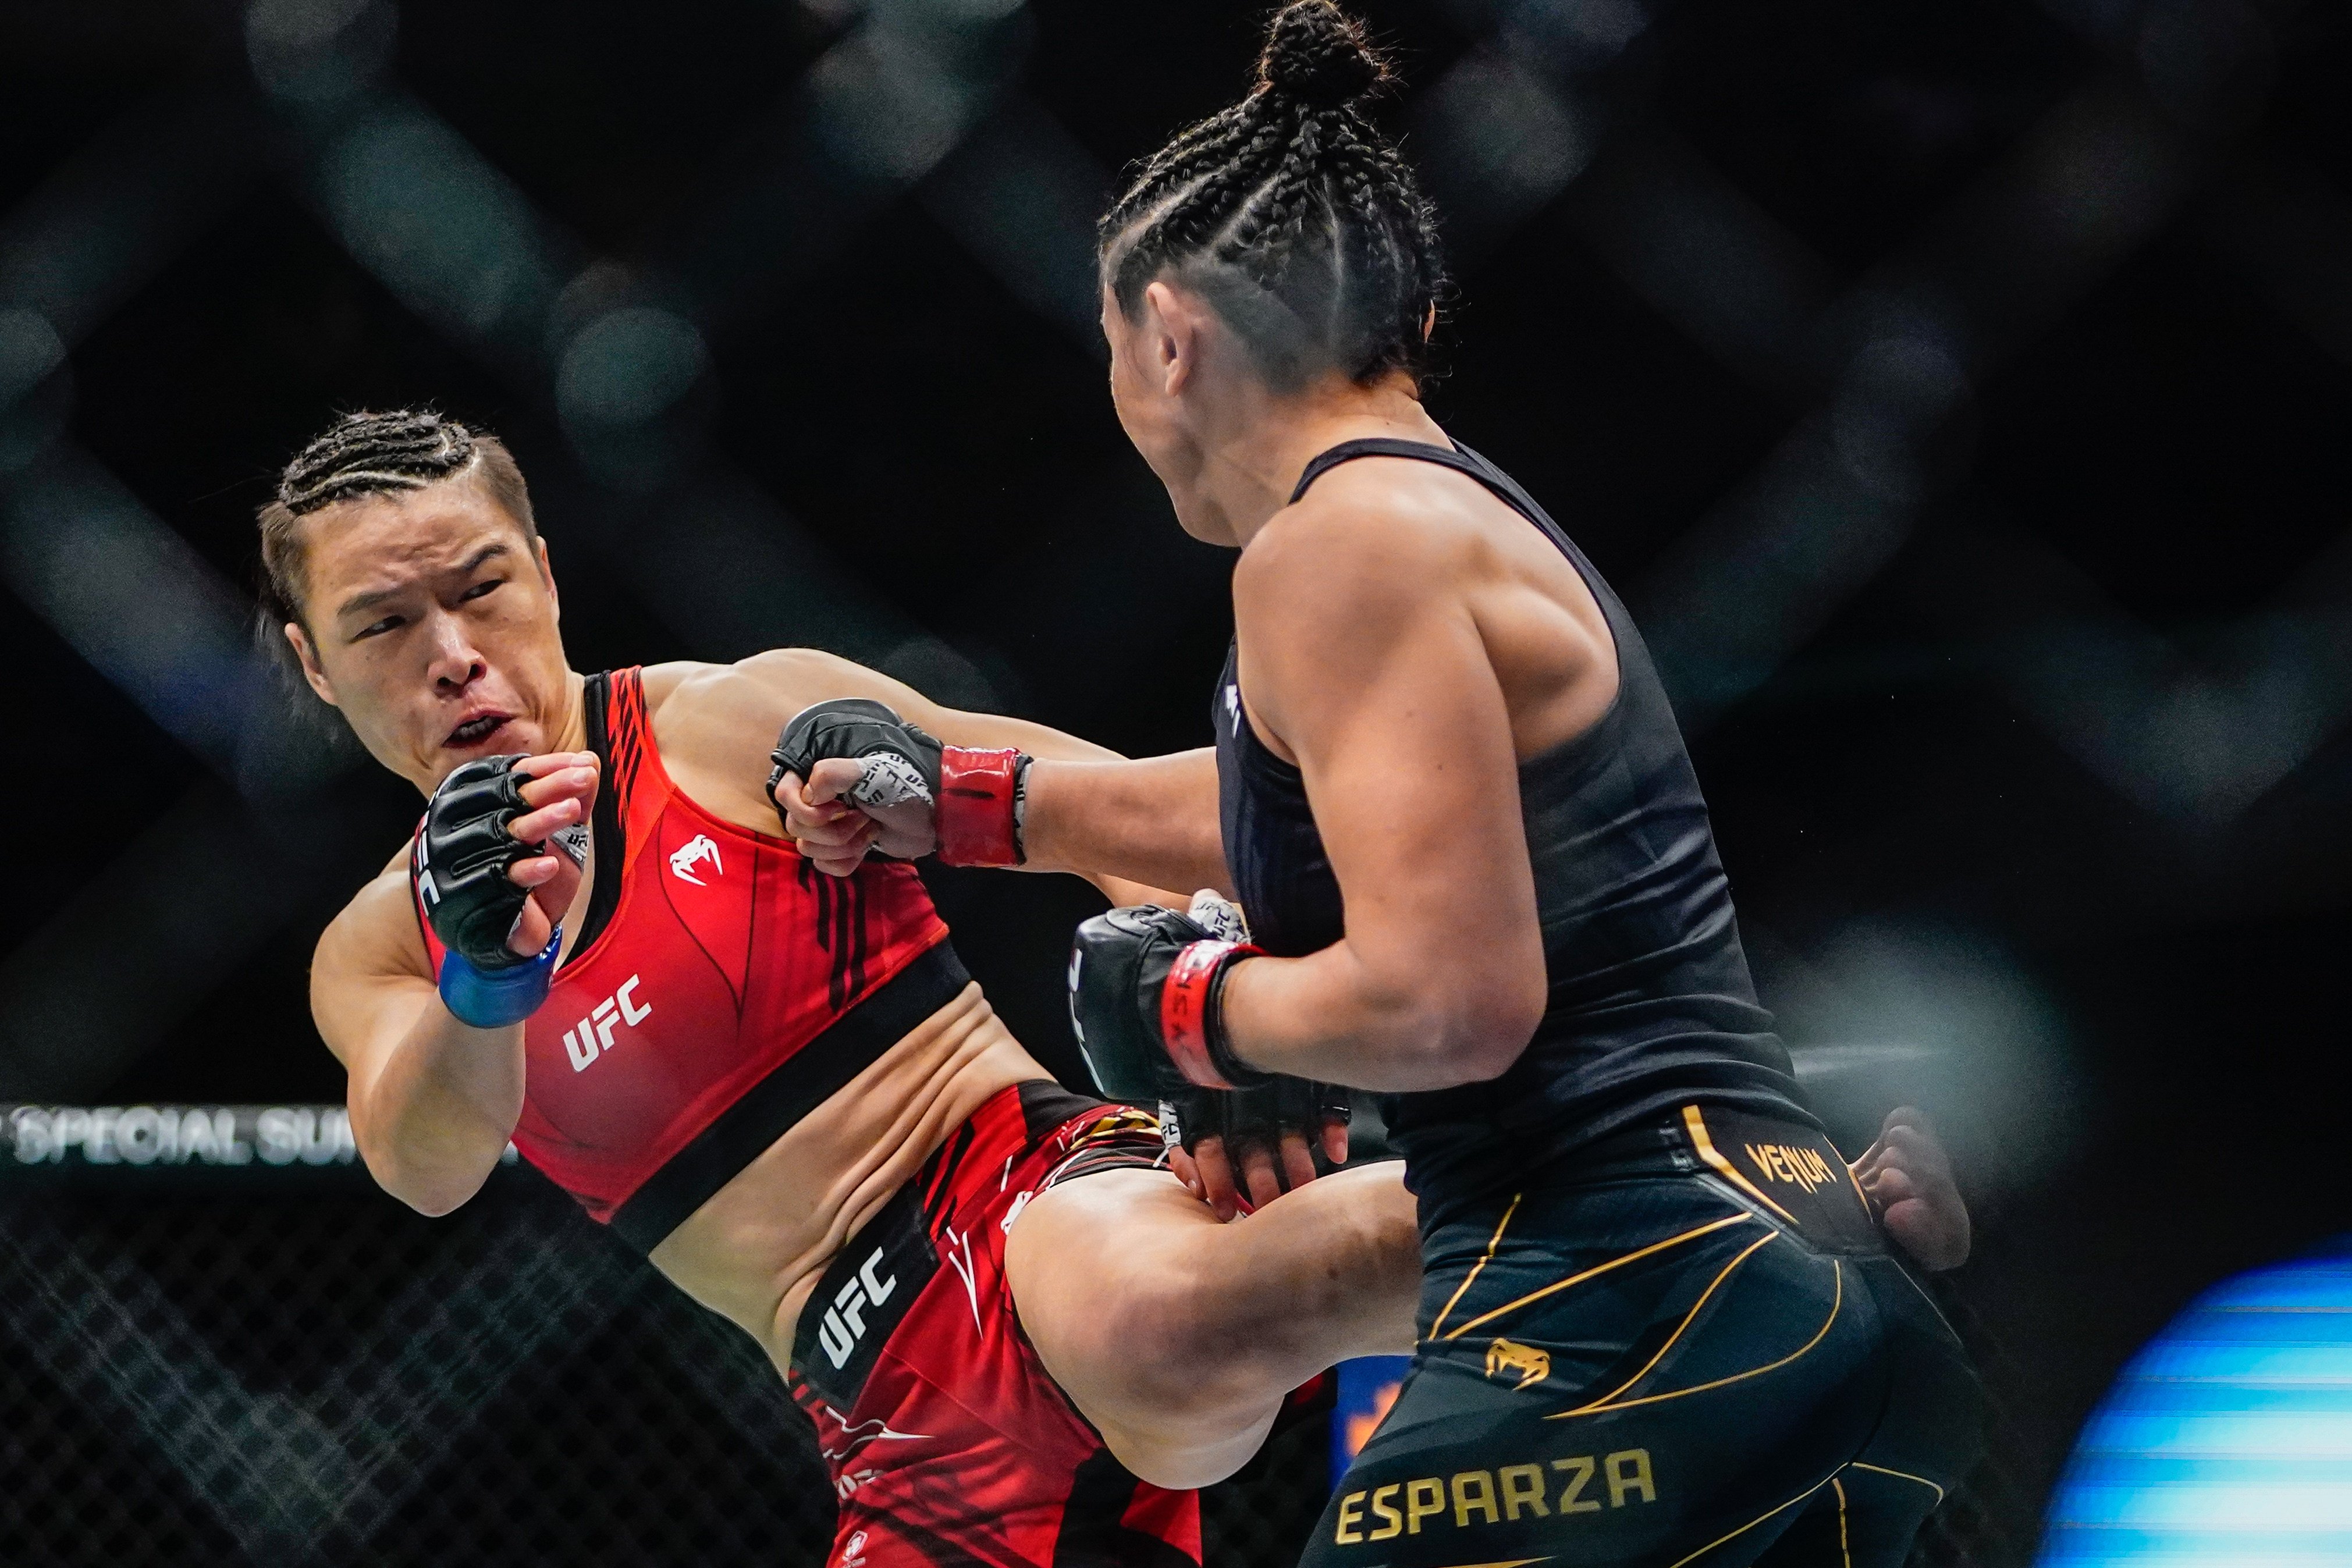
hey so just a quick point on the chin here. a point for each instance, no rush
(1206, 530)
(516, 737)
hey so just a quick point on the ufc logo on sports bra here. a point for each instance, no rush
(844, 1323)
(594, 1037)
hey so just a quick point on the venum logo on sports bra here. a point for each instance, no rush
(593, 1035)
(693, 853)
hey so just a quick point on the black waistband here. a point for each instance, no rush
(863, 1296)
(1663, 1145)
(805, 1080)
(1786, 1168)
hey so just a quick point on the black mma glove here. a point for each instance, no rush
(1255, 1117)
(974, 797)
(1145, 985)
(463, 856)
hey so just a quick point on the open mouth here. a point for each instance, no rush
(475, 731)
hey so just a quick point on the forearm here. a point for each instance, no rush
(1152, 821)
(435, 1120)
(1343, 1017)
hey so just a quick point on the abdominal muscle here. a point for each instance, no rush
(755, 1250)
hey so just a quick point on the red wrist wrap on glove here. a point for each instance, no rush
(975, 813)
(1184, 999)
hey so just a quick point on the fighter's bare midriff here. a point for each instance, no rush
(756, 1250)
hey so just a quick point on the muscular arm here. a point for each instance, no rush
(433, 1102)
(1131, 827)
(1153, 820)
(1361, 652)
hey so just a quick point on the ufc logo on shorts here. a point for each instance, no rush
(594, 1036)
(844, 1325)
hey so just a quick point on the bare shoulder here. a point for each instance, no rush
(376, 935)
(790, 679)
(762, 691)
(716, 724)
(661, 681)
(1371, 534)
(1396, 570)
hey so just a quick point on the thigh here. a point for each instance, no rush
(1177, 1336)
(1864, 1517)
(944, 1439)
(1646, 1373)
(1932, 1433)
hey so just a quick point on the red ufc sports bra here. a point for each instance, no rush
(722, 988)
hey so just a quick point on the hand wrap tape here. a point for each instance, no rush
(497, 998)
(977, 821)
(1189, 1021)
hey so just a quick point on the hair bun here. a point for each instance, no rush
(1318, 53)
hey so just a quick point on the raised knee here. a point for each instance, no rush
(1169, 1347)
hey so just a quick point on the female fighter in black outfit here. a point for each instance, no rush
(1658, 1325)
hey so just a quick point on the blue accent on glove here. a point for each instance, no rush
(494, 998)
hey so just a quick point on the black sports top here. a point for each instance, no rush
(1651, 1006)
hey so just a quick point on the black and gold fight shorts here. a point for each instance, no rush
(1690, 1348)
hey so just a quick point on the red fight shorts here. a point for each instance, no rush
(947, 1441)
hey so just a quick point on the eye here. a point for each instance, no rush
(389, 623)
(479, 589)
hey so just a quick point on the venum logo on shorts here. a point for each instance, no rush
(693, 853)
(1510, 1357)
(844, 1324)
(1794, 1164)
(593, 1035)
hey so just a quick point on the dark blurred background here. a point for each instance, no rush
(1958, 393)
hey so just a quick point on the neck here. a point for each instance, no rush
(572, 735)
(1251, 461)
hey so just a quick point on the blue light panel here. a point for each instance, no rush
(2227, 1443)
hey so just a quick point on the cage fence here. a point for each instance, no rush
(219, 1343)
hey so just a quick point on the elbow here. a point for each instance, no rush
(1483, 1028)
(1447, 1030)
(433, 1159)
(437, 1199)
(430, 1192)
(433, 1188)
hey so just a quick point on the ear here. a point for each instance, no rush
(1174, 334)
(311, 670)
(546, 576)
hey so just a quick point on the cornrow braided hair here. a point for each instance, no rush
(1299, 221)
(368, 454)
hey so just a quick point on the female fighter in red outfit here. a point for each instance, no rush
(780, 1085)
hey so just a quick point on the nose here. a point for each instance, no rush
(455, 663)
